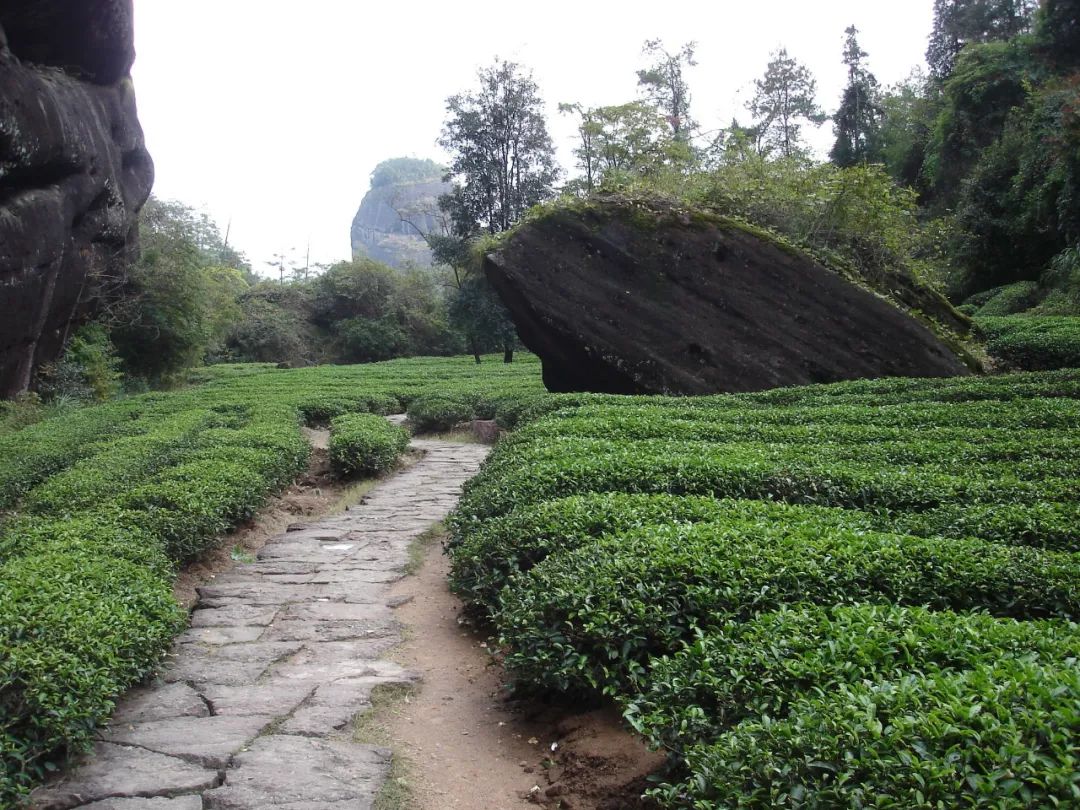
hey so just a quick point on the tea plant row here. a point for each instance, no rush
(852, 595)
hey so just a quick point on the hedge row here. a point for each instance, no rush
(1000, 735)
(869, 629)
(485, 557)
(761, 667)
(1034, 342)
(529, 473)
(589, 619)
(366, 443)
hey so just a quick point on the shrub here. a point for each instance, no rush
(1034, 343)
(589, 619)
(1010, 299)
(486, 556)
(365, 443)
(436, 413)
(1001, 735)
(76, 629)
(759, 668)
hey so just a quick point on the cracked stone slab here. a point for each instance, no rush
(161, 703)
(233, 616)
(221, 635)
(179, 803)
(275, 697)
(120, 771)
(263, 593)
(334, 705)
(207, 741)
(231, 665)
(381, 634)
(289, 772)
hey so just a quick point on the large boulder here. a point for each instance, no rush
(642, 296)
(74, 171)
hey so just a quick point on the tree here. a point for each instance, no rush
(958, 23)
(503, 160)
(664, 85)
(623, 138)
(857, 122)
(784, 98)
(503, 163)
(1058, 32)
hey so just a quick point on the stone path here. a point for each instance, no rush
(254, 709)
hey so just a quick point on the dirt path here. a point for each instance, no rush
(255, 708)
(466, 746)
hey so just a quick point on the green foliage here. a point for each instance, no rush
(433, 414)
(182, 297)
(784, 101)
(1033, 343)
(1000, 735)
(961, 23)
(570, 625)
(76, 629)
(618, 140)
(405, 170)
(366, 443)
(743, 670)
(893, 651)
(664, 85)
(501, 152)
(88, 370)
(102, 503)
(857, 122)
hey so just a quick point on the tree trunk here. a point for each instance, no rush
(508, 354)
(474, 347)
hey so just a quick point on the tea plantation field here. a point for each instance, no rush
(854, 595)
(99, 505)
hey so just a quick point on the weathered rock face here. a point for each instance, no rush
(73, 170)
(392, 221)
(621, 297)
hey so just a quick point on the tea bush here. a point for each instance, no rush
(366, 443)
(103, 502)
(856, 595)
(1001, 735)
(1034, 342)
(588, 619)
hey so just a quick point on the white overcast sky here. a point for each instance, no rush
(271, 114)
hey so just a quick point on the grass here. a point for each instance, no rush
(421, 544)
(369, 728)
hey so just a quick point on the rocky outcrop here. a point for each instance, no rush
(641, 296)
(73, 171)
(393, 219)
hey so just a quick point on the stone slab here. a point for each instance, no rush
(160, 703)
(282, 771)
(274, 697)
(207, 741)
(179, 803)
(120, 771)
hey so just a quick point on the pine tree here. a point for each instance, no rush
(857, 122)
(784, 99)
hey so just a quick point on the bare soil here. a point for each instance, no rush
(469, 746)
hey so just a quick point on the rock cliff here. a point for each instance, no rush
(73, 171)
(642, 296)
(393, 219)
